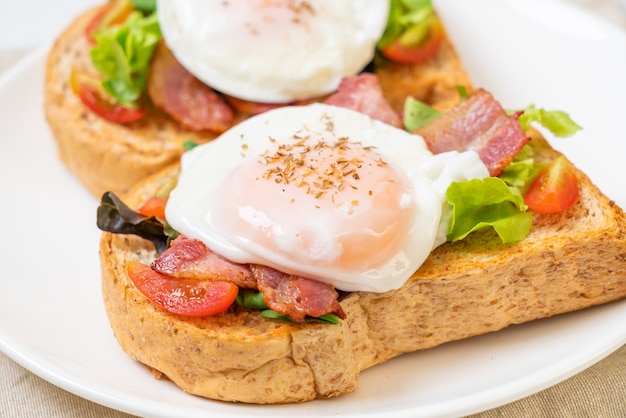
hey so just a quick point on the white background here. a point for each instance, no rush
(25, 24)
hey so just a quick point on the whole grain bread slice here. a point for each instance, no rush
(570, 261)
(103, 155)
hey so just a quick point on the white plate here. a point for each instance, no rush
(51, 316)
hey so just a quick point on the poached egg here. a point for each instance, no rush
(322, 192)
(273, 51)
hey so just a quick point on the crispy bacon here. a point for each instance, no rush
(364, 94)
(289, 295)
(186, 99)
(478, 123)
(191, 259)
(296, 296)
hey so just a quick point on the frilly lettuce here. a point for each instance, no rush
(122, 55)
(557, 122)
(487, 202)
(412, 15)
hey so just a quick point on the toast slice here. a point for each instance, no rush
(106, 156)
(103, 155)
(570, 261)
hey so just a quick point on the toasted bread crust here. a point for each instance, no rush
(106, 156)
(570, 261)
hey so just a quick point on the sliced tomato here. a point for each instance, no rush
(406, 50)
(154, 206)
(180, 296)
(555, 189)
(112, 13)
(92, 95)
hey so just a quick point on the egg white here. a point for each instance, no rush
(273, 51)
(193, 203)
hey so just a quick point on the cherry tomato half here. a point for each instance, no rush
(555, 189)
(112, 13)
(180, 296)
(90, 92)
(154, 206)
(403, 50)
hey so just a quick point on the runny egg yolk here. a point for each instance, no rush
(317, 200)
(320, 192)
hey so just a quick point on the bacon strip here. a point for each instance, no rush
(186, 99)
(478, 123)
(289, 295)
(191, 259)
(364, 94)
(296, 296)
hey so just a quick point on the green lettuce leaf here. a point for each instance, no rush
(250, 299)
(488, 202)
(407, 16)
(122, 55)
(557, 122)
(417, 114)
(462, 90)
(326, 318)
(190, 144)
(144, 5)
(522, 170)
